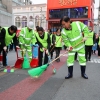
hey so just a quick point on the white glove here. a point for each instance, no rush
(5, 48)
(84, 39)
(47, 51)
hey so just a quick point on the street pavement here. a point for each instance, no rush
(20, 86)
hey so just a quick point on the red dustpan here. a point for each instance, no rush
(19, 61)
(34, 63)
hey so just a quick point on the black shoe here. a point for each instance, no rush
(58, 60)
(83, 68)
(68, 76)
(84, 76)
(70, 72)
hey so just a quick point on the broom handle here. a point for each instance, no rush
(54, 44)
(64, 53)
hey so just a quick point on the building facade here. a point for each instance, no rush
(6, 11)
(97, 20)
(77, 10)
(36, 13)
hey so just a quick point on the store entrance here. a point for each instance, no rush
(53, 26)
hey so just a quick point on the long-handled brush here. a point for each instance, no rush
(37, 72)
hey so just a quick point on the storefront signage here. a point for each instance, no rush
(67, 2)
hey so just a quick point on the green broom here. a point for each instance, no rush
(37, 72)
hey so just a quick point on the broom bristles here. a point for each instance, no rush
(36, 72)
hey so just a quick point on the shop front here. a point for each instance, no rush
(77, 10)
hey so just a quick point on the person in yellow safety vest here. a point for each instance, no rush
(43, 40)
(58, 43)
(27, 39)
(52, 46)
(7, 34)
(98, 46)
(72, 35)
(88, 45)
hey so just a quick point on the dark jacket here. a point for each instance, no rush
(2, 38)
(53, 39)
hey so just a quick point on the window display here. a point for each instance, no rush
(80, 12)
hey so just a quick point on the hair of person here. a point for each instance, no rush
(58, 29)
(40, 29)
(65, 18)
(37, 27)
(13, 28)
(49, 30)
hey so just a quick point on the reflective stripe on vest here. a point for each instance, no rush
(25, 35)
(43, 41)
(79, 28)
(79, 48)
(58, 41)
(51, 38)
(63, 32)
(89, 40)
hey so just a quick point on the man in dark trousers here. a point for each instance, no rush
(43, 40)
(7, 34)
(88, 44)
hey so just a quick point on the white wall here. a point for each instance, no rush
(5, 20)
(33, 10)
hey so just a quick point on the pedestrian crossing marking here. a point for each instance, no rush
(94, 61)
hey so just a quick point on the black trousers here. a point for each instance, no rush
(11, 47)
(4, 55)
(75, 56)
(98, 50)
(93, 51)
(57, 49)
(51, 51)
(41, 58)
(88, 50)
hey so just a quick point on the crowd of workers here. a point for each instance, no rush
(68, 37)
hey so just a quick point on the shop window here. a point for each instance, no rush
(80, 12)
(31, 18)
(24, 21)
(17, 21)
(37, 21)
